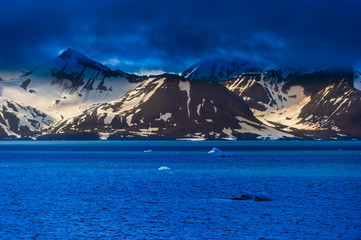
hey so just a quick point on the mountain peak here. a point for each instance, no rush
(218, 70)
(72, 55)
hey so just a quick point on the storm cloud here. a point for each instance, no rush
(136, 35)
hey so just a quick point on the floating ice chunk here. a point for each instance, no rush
(215, 151)
(218, 153)
(262, 196)
(148, 151)
(245, 196)
(164, 168)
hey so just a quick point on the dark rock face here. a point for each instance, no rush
(25, 84)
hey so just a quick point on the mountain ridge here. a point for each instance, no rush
(169, 106)
(75, 97)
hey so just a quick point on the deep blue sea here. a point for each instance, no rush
(120, 190)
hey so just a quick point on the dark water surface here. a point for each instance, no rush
(114, 190)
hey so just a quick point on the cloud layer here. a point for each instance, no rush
(169, 35)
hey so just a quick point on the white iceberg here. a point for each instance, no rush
(218, 153)
(164, 168)
(215, 151)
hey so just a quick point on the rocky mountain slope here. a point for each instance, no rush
(335, 111)
(299, 103)
(169, 107)
(18, 121)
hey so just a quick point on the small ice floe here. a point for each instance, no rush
(215, 151)
(218, 153)
(148, 151)
(262, 196)
(245, 196)
(164, 168)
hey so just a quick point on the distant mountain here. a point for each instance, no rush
(299, 103)
(169, 107)
(218, 70)
(271, 89)
(18, 121)
(68, 85)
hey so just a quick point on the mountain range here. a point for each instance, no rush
(75, 97)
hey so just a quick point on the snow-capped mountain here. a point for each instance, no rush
(73, 96)
(68, 85)
(18, 121)
(300, 102)
(218, 70)
(168, 107)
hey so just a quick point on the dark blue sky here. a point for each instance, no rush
(136, 35)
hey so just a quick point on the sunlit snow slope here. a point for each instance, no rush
(68, 85)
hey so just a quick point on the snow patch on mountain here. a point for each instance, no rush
(288, 116)
(264, 132)
(228, 132)
(136, 97)
(185, 86)
(165, 116)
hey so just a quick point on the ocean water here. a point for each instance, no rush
(121, 190)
